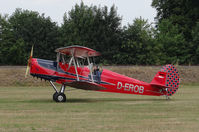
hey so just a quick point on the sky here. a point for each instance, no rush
(128, 9)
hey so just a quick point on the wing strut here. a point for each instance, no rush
(90, 66)
(73, 58)
(58, 58)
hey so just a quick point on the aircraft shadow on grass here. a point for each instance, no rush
(91, 100)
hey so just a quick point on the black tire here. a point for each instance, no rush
(60, 97)
(55, 96)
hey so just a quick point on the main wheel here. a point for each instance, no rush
(55, 96)
(60, 97)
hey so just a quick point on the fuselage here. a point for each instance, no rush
(113, 82)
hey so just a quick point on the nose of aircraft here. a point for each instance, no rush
(34, 66)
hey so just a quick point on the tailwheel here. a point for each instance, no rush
(167, 97)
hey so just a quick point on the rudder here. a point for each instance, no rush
(172, 79)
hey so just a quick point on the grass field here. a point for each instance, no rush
(27, 109)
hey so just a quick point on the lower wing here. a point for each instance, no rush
(85, 85)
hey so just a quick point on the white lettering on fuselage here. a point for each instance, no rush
(130, 87)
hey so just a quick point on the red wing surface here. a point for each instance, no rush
(78, 51)
(85, 85)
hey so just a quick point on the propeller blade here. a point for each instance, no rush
(29, 62)
(27, 70)
(31, 53)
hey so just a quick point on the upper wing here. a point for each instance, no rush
(85, 85)
(78, 51)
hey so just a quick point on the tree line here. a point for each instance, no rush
(173, 39)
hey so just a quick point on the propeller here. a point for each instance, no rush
(29, 62)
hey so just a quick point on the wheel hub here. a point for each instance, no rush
(60, 98)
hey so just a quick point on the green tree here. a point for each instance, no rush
(138, 45)
(183, 14)
(23, 29)
(37, 30)
(195, 42)
(94, 27)
(172, 43)
(17, 54)
(7, 41)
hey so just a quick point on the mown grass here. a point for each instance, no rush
(31, 109)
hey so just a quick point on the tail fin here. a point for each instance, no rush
(167, 77)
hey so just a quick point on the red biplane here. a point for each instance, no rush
(74, 68)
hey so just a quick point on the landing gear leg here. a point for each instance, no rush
(59, 96)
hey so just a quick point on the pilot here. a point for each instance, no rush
(97, 73)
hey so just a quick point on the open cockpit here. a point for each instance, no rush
(80, 59)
